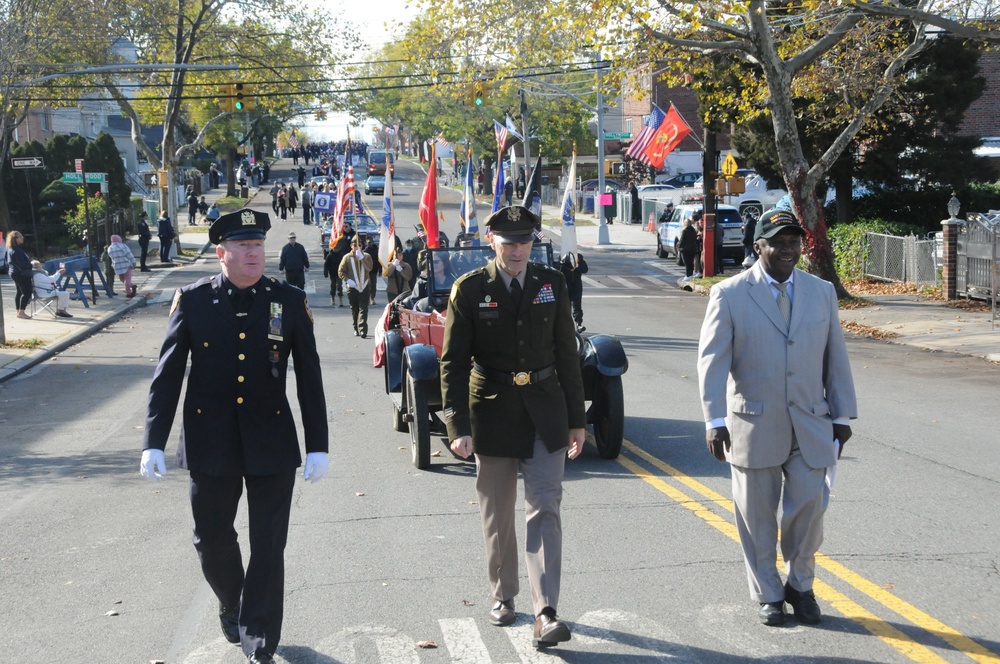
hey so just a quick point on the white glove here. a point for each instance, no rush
(152, 464)
(352, 284)
(360, 254)
(316, 466)
(396, 263)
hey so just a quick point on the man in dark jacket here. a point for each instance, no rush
(239, 329)
(573, 268)
(294, 262)
(165, 232)
(142, 228)
(519, 407)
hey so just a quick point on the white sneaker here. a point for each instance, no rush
(686, 279)
(696, 275)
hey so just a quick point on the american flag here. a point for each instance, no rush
(293, 141)
(502, 135)
(638, 148)
(441, 141)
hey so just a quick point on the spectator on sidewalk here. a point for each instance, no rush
(213, 213)
(165, 232)
(20, 272)
(294, 262)
(122, 262)
(202, 207)
(46, 287)
(192, 208)
(109, 268)
(142, 227)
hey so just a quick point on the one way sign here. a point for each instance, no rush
(26, 162)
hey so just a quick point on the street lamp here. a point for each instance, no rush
(953, 206)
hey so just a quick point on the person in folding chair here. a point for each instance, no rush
(45, 289)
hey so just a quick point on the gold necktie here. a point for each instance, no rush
(784, 303)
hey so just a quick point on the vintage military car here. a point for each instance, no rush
(412, 348)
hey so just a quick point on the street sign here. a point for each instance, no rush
(27, 162)
(729, 166)
(617, 136)
(77, 178)
(79, 165)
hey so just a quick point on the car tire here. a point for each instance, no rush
(609, 425)
(420, 425)
(660, 253)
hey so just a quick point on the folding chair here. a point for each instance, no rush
(47, 303)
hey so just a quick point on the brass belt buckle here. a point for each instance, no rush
(522, 378)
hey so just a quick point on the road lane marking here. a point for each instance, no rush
(623, 281)
(875, 625)
(464, 643)
(594, 283)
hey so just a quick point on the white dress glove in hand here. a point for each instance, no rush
(352, 284)
(152, 464)
(360, 254)
(316, 466)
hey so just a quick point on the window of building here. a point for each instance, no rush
(46, 124)
(628, 126)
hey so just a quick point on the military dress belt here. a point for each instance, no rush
(512, 378)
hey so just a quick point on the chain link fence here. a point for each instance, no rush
(902, 259)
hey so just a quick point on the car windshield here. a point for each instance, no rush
(452, 262)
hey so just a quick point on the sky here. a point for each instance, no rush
(372, 28)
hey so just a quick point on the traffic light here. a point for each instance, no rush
(249, 101)
(320, 115)
(239, 104)
(479, 92)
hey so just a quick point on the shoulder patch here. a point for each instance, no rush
(176, 303)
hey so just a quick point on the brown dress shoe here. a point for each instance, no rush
(503, 613)
(549, 631)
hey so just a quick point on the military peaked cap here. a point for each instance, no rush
(516, 223)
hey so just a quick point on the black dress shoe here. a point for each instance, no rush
(260, 658)
(804, 606)
(503, 613)
(772, 613)
(230, 619)
(549, 631)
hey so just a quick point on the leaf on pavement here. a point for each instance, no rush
(426, 644)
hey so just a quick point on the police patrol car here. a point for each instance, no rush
(727, 217)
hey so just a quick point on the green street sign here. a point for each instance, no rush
(616, 136)
(77, 178)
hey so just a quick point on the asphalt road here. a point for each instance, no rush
(382, 556)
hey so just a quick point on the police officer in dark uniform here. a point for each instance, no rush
(513, 395)
(239, 329)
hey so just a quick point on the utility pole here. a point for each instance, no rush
(524, 132)
(602, 227)
(709, 170)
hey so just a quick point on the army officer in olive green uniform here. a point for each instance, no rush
(513, 395)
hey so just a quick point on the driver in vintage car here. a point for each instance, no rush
(513, 395)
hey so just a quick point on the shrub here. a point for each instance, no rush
(849, 247)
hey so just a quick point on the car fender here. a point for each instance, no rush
(605, 353)
(422, 361)
(393, 361)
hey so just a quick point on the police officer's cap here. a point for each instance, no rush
(243, 224)
(773, 222)
(515, 223)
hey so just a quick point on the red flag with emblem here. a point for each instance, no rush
(428, 204)
(668, 136)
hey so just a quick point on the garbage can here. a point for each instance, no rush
(244, 192)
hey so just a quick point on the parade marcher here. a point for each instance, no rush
(274, 191)
(142, 229)
(773, 370)
(398, 275)
(20, 272)
(283, 202)
(292, 196)
(372, 250)
(302, 176)
(513, 395)
(46, 287)
(122, 262)
(355, 270)
(331, 269)
(410, 257)
(165, 233)
(307, 205)
(240, 328)
(294, 262)
(573, 268)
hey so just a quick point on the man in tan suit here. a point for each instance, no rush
(519, 406)
(773, 370)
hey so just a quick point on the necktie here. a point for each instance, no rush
(515, 292)
(784, 303)
(242, 299)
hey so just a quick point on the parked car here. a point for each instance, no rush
(375, 184)
(654, 189)
(668, 233)
(590, 186)
(679, 180)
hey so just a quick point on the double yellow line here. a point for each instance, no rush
(850, 609)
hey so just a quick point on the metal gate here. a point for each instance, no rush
(978, 268)
(900, 258)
